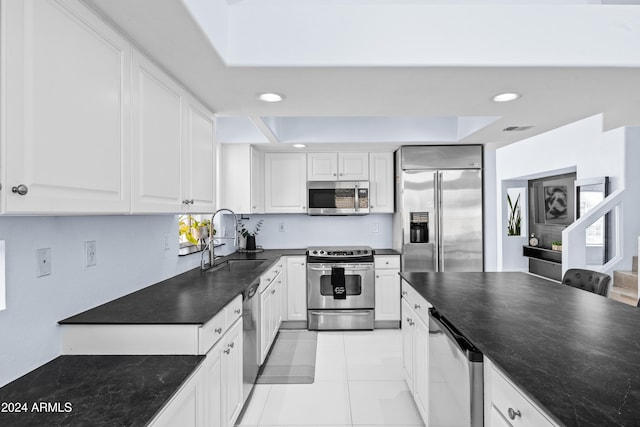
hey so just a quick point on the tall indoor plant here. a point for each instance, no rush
(515, 218)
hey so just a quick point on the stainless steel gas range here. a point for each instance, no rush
(340, 287)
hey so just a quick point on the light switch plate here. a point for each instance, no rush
(43, 262)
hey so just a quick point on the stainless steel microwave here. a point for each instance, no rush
(337, 197)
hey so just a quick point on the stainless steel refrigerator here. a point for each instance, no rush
(440, 204)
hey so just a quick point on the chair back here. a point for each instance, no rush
(591, 281)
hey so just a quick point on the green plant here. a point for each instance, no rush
(515, 218)
(243, 229)
(556, 243)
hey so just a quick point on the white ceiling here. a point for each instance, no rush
(425, 76)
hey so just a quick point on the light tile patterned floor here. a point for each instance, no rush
(358, 383)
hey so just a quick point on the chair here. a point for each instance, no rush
(591, 281)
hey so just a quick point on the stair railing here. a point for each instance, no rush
(574, 243)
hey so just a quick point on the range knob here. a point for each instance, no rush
(315, 252)
(358, 251)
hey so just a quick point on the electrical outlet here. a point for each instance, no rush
(281, 227)
(43, 262)
(375, 228)
(90, 253)
(166, 241)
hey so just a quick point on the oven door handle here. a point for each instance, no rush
(329, 313)
(345, 269)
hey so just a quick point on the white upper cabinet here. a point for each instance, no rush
(338, 166)
(66, 118)
(158, 108)
(353, 166)
(381, 184)
(241, 178)
(322, 166)
(199, 188)
(285, 182)
(173, 145)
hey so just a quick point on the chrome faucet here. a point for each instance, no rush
(210, 245)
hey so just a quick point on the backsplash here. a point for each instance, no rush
(300, 231)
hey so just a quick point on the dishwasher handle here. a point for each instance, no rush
(463, 344)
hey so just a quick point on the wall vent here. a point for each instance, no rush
(516, 128)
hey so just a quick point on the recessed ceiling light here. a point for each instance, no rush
(299, 145)
(270, 97)
(506, 97)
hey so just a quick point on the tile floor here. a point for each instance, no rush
(359, 383)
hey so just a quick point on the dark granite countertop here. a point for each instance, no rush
(574, 353)
(95, 390)
(193, 297)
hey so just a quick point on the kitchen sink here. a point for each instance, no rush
(238, 265)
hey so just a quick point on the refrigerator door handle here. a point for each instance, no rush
(440, 224)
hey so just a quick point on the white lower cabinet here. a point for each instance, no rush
(415, 349)
(296, 288)
(387, 288)
(186, 407)
(271, 307)
(505, 405)
(212, 397)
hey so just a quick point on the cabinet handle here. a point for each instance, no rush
(227, 351)
(230, 345)
(513, 414)
(237, 311)
(20, 189)
(218, 330)
(404, 293)
(273, 291)
(334, 174)
(377, 277)
(185, 202)
(416, 306)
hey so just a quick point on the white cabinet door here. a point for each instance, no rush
(266, 314)
(184, 408)
(322, 166)
(285, 182)
(213, 390)
(381, 183)
(353, 166)
(408, 320)
(296, 288)
(241, 178)
(158, 108)
(232, 373)
(235, 177)
(199, 189)
(421, 367)
(66, 112)
(338, 166)
(387, 295)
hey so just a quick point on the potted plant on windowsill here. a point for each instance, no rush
(556, 245)
(250, 237)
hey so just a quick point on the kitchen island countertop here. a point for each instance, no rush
(574, 353)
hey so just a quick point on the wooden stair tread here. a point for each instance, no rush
(626, 279)
(624, 295)
(624, 291)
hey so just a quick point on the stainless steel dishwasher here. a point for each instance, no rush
(250, 330)
(455, 376)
